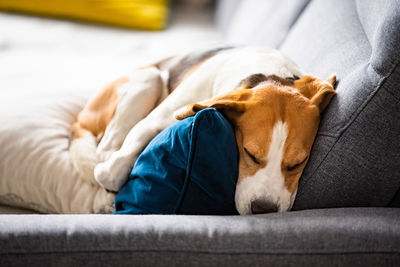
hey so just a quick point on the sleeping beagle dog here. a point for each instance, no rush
(274, 108)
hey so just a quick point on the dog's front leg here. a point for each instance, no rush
(114, 172)
(144, 90)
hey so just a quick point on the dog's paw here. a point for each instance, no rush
(113, 173)
(104, 202)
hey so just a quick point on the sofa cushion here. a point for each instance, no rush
(258, 21)
(189, 168)
(355, 158)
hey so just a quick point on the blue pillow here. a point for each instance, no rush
(189, 168)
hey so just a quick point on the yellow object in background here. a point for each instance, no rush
(137, 14)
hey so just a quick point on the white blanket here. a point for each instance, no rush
(48, 69)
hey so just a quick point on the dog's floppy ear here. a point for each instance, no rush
(229, 105)
(318, 91)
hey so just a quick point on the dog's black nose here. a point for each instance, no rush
(262, 206)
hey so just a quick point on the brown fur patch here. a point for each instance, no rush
(98, 111)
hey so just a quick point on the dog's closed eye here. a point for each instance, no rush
(295, 166)
(253, 158)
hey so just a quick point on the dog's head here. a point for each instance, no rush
(275, 121)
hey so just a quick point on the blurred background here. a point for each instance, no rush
(48, 46)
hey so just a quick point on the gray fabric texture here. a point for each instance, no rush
(327, 237)
(355, 157)
(224, 11)
(251, 20)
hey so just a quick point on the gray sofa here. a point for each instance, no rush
(346, 211)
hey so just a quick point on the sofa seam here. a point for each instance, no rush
(370, 96)
(300, 14)
(356, 114)
(380, 85)
(397, 98)
(364, 104)
(208, 252)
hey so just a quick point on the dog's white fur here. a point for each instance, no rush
(217, 75)
(144, 90)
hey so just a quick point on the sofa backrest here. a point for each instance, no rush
(356, 156)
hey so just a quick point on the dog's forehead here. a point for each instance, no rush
(277, 91)
(269, 101)
(272, 105)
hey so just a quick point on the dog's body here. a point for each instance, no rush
(273, 144)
